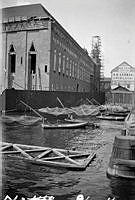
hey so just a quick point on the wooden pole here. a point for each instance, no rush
(60, 102)
(32, 110)
(22, 152)
(89, 101)
(44, 153)
(66, 157)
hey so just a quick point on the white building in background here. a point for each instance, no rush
(123, 75)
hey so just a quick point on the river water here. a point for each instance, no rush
(26, 180)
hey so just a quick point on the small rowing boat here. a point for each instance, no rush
(92, 124)
(113, 118)
(64, 125)
(23, 120)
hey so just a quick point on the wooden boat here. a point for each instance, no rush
(73, 120)
(23, 119)
(121, 114)
(64, 125)
(74, 160)
(129, 124)
(92, 124)
(108, 117)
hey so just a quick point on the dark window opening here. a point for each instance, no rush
(32, 48)
(13, 63)
(128, 85)
(45, 68)
(33, 64)
(12, 48)
(21, 60)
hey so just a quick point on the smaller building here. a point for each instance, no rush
(123, 75)
(105, 86)
(122, 96)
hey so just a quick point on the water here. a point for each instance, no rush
(26, 180)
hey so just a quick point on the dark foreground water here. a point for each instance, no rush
(26, 180)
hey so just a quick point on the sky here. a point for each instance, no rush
(112, 20)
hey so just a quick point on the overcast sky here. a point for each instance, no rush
(112, 20)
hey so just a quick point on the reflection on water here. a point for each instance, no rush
(25, 179)
(122, 189)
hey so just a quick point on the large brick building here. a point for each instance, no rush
(39, 54)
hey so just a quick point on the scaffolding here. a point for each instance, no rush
(96, 53)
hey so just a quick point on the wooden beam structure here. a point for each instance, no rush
(48, 156)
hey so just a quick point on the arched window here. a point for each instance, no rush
(12, 59)
(32, 59)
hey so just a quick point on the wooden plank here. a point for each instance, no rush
(66, 157)
(70, 156)
(45, 148)
(22, 151)
(57, 164)
(89, 159)
(43, 154)
(33, 148)
(50, 161)
(33, 110)
(28, 151)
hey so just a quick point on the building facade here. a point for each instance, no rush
(123, 75)
(122, 96)
(39, 54)
(105, 86)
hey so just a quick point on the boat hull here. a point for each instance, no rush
(65, 126)
(111, 118)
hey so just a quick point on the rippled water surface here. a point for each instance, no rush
(26, 180)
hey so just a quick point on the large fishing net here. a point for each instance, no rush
(82, 110)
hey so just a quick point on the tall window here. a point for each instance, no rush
(70, 69)
(59, 64)
(54, 63)
(63, 64)
(12, 59)
(32, 59)
(67, 66)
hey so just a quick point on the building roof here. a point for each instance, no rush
(123, 63)
(33, 10)
(120, 88)
(25, 11)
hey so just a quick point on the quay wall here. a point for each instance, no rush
(10, 99)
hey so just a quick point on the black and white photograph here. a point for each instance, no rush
(67, 100)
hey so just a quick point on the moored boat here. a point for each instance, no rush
(117, 113)
(64, 125)
(130, 123)
(22, 120)
(108, 117)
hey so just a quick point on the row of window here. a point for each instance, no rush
(65, 65)
(67, 45)
(65, 42)
(125, 77)
(122, 74)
